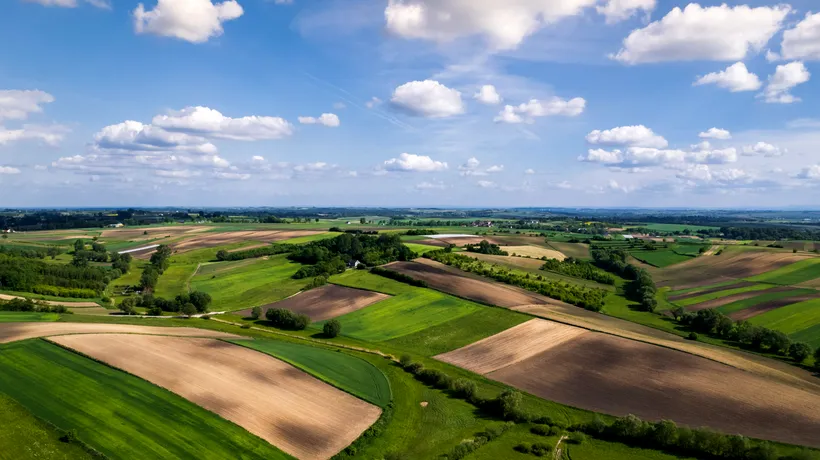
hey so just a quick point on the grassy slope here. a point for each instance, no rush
(701, 288)
(116, 413)
(421, 248)
(174, 281)
(765, 297)
(794, 320)
(21, 317)
(593, 449)
(721, 294)
(24, 436)
(309, 239)
(660, 258)
(349, 373)
(798, 272)
(263, 282)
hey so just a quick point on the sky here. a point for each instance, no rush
(451, 103)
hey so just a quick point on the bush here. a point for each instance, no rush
(555, 430)
(414, 368)
(405, 360)
(70, 436)
(524, 448)
(332, 328)
(543, 420)
(541, 449)
(577, 437)
(508, 404)
(245, 326)
(286, 319)
(692, 336)
(256, 313)
(799, 351)
(464, 388)
(541, 430)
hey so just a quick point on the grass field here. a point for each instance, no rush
(310, 238)
(120, 415)
(24, 436)
(675, 227)
(796, 273)
(660, 258)
(421, 248)
(174, 281)
(363, 279)
(764, 297)
(24, 316)
(351, 374)
(720, 294)
(593, 449)
(260, 283)
(794, 320)
(701, 288)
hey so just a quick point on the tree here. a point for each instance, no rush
(665, 433)
(363, 220)
(201, 301)
(188, 309)
(79, 245)
(508, 404)
(149, 278)
(817, 359)
(127, 306)
(332, 328)
(256, 313)
(799, 351)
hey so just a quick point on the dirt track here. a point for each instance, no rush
(453, 281)
(325, 302)
(54, 302)
(12, 332)
(301, 415)
(618, 376)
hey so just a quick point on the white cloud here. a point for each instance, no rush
(705, 174)
(258, 159)
(785, 77)
(495, 169)
(716, 133)
(339, 105)
(803, 41)
(621, 10)
(428, 98)
(717, 33)
(177, 173)
(486, 184)
(811, 172)
(195, 21)
(504, 24)
(536, 108)
(470, 168)
(529, 172)
(713, 157)
(765, 149)
(134, 136)
(51, 135)
(231, 175)
(407, 162)
(430, 186)
(104, 4)
(633, 136)
(373, 102)
(327, 119)
(488, 95)
(615, 186)
(18, 104)
(735, 78)
(642, 157)
(208, 122)
(9, 170)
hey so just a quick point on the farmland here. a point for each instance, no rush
(325, 302)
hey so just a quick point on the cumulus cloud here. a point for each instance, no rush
(195, 21)
(529, 171)
(642, 157)
(19, 104)
(621, 10)
(326, 119)
(488, 95)
(9, 170)
(786, 77)
(50, 135)
(717, 33)
(133, 136)
(472, 168)
(504, 25)
(705, 174)
(486, 184)
(208, 122)
(735, 78)
(527, 112)
(407, 162)
(428, 98)
(633, 136)
(716, 133)
(803, 41)
(495, 169)
(713, 156)
(810, 173)
(231, 175)
(373, 102)
(765, 149)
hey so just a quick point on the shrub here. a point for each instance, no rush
(246, 326)
(464, 388)
(524, 448)
(577, 437)
(555, 430)
(692, 336)
(69, 436)
(541, 430)
(543, 420)
(508, 404)
(332, 328)
(206, 317)
(256, 313)
(799, 351)
(286, 319)
(541, 449)
(414, 368)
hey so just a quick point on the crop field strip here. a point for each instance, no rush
(13, 332)
(687, 294)
(281, 404)
(660, 258)
(731, 294)
(794, 274)
(610, 374)
(118, 414)
(534, 251)
(796, 320)
(325, 302)
(767, 301)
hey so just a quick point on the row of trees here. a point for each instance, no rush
(590, 299)
(31, 252)
(23, 274)
(28, 305)
(272, 250)
(485, 247)
(640, 288)
(160, 260)
(83, 255)
(186, 304)
(331, 256)
(401, 277)
(578, 269)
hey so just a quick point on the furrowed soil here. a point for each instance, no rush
(12, 332)
(325, 302)
(211, 240)
(719, 302)
(764, 307)
(281, 404)
(741, 284)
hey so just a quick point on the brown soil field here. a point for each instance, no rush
(53, 302)
(511, 346)
(325, 302)
(454, 281)
(211, 240)
(127, 233)
(759, 365)
(746, 313)
(510, 261)
(12, 332)
(463, 241)
(534, 252)
(731, 265)
(619, 377)
(714, 303)
(431, 242)
(292, 410)
(737, 285)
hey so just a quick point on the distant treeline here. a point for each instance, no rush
(332, 256)
(187, 304)
(28, 305)
(31, 252)
(353, 231)
(485, 247)
(271, 250)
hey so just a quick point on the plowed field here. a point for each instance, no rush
(326, 302)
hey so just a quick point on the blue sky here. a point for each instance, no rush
(409, 103)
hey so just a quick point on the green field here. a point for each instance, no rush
(260, 283)
(309, 239)
(421, 248)
(799, 321)
(701, 288)
(593, 449)
(721, 294)
(692, 250)
(660, 258)
(349, 373)
(676, 227)
(26, 317)
(796, 273)
(765, 297)
(120, 415)
(363, 279)
(174, 281)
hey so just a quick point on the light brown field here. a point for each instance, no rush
(247, 248)
(53, 302)
(301, 415)
(460, 284)
(534, 252)
(325, 302)
(576, 250)
(463, 241)
(511, 346)
(127, 233)
(98, 311)
(211, 240)
(618, 376)
(510, 261)
(12, 332)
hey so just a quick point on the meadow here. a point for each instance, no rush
(174, 281)
(660, 258)
(762, 298)
(799, 321)
(20, 317)
(120, 415)
(421, 248)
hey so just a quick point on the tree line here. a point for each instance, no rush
(186, 304)
(332, 256)
(33, 275)
(396, 276)
(485, 247)
(272, 250)
(577, 268)
(28, 305)
(31, 252)
(640, 287)
(159, 262)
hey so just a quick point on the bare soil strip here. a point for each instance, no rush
(510, 261)
(454, 281)
(740, 284)
(714, 303)
(53, 302)
(511, 346)
(703, 271)
(153, 232)
(12, 332)
(211, 240)
(325, 302)
(464, 241)
(759, 309)
(619, 376)
(292, 410)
